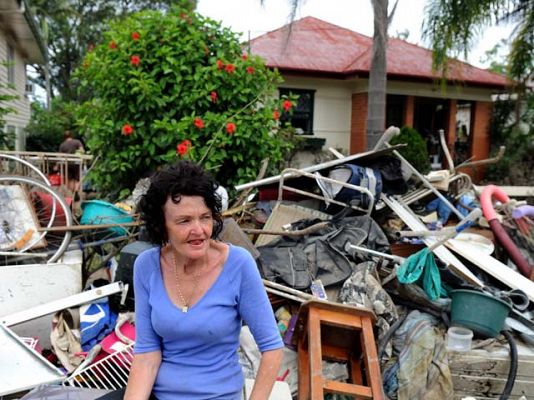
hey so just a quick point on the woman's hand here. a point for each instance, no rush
(269, 366)
(143, 373)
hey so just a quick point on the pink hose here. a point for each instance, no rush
(486, 197)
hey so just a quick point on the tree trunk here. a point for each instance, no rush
(376, 102)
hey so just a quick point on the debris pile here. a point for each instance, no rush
(384, 282)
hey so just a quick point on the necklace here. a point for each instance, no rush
(185, 304)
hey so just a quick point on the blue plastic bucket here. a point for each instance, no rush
(98, 212)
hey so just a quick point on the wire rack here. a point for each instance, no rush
(108, 373)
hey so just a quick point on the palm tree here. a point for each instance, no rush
(376, 107)
(452, 26)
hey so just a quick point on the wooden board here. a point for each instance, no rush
(493, 267)
(482, 373)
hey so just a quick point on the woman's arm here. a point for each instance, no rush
(266, 376)
(142, 375)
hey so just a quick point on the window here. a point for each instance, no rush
(10, 65)
(302, 118)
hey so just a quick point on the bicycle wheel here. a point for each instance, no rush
(29, 209)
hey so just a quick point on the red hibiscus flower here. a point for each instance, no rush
(198, 123)
(214, 96)
(220, 64)
(183, 148)
(250, 70)
(230, 68)
(135, 35)
(127, 129)
(230, 128)
(287, 105)
(112, 45)
(244, 57)
(276, 115)
(135, 60)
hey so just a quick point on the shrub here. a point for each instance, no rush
(46, 127)
(415, 152)
(176, 84)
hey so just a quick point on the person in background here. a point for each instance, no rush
(70, 145)
(192, 294)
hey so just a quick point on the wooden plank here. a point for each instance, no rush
(493, 267)
(489, 386)
(496, 366)
(363, 392)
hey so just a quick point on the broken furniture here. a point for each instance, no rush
(341, 333)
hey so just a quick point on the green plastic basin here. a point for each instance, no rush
(482, 313)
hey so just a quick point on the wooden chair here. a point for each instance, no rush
(339, 333)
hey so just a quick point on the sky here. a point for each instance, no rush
(251, 18)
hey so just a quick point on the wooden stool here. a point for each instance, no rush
(340, 333)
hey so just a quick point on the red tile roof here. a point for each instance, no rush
(318, 47)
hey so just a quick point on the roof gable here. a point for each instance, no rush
(311, 45)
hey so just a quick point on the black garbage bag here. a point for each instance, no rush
(297, 261)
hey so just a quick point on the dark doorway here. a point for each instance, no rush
(430, 115)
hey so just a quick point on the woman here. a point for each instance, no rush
(191, 295)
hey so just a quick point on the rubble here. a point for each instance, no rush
(340, 246)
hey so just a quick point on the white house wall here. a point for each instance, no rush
(332, 108)
(333, 101)
(20, 118)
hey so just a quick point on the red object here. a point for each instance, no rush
(127, 129)
(112, 45)
(250, 70)
(198, 123)
(230, 128)
(490, 192)
(135, 35)
(287, 105)
(183, 148)
(318, 47)
(54, 179)
(44, 203)
(214, 96)
(220, 64)
(244, 57)
(230, 68)
(135, 60)
(276, 115)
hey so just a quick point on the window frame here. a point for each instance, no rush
(287, 91)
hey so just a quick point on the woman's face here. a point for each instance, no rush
(189, 226)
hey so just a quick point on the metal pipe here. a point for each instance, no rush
(426, 183)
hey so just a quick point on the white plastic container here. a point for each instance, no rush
(459, 339)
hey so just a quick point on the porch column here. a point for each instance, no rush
(480, 126)
(358, 123)
(408, 112)
(450, 127)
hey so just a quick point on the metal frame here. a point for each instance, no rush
(296, 172)
(61, 304)
(66, 210)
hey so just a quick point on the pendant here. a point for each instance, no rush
(184, 309)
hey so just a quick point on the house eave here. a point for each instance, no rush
(19, 23)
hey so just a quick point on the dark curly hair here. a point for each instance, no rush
(184, 178)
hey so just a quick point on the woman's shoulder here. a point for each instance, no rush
(147, 261)
(238, 253)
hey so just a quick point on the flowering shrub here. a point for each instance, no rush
(163, 86)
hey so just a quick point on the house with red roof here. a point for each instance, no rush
(328, 67)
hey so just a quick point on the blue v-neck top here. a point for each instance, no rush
(199, 348)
